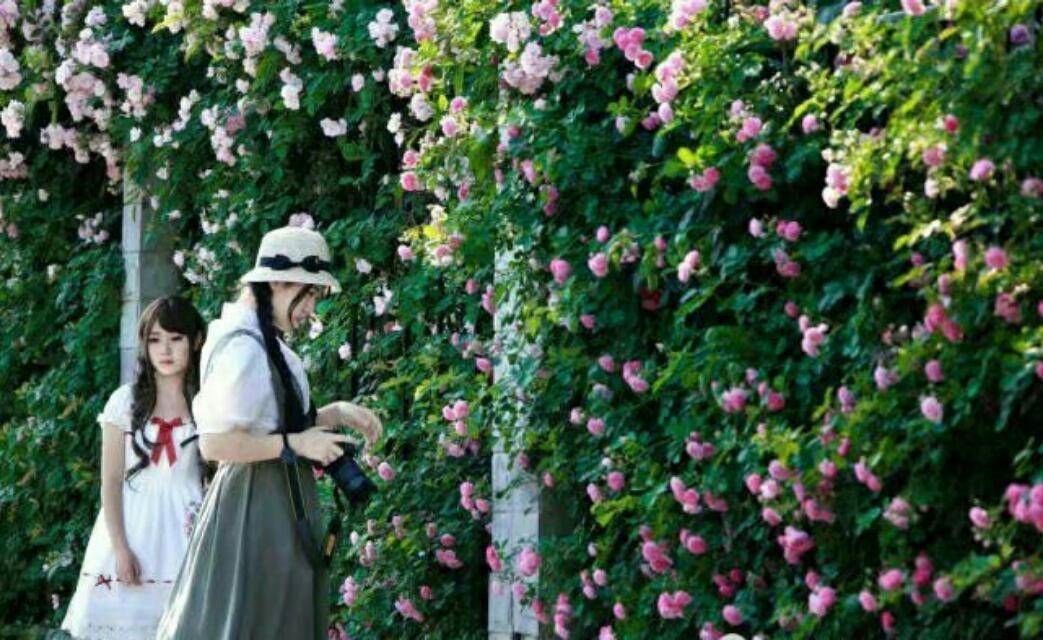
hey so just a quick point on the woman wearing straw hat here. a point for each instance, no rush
(247, 573)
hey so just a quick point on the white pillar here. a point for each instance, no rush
(149, 271)
(522, 513)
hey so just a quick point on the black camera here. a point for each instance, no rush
(348, 477)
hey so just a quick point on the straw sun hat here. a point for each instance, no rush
(293, 254)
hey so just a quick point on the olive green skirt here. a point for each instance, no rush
(245, 575)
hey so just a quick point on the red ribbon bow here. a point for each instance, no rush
(165, 440)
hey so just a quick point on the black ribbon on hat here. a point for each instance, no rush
(279, 262)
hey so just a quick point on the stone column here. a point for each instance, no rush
(149, 271)
(522, 514)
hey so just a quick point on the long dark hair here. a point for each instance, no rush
(293, 410)
(176, 315)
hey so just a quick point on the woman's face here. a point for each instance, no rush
(168, 352)
(283, 295)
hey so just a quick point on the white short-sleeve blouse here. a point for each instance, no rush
(118, 409)
(237, 391)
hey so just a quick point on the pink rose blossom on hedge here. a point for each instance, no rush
(598, 264)
(672, 605)
(763, 156)
(409, 181)
(732, 615)
(703, 182)
(751, 128)
(836, 184)
(406, 607)
(913, 7)
(692, 543)
(349, 591)
(937, 319)
(884, 377)
(698, 450)
(770, 516)
(615, 481)
(866, 477)
(813, 336)
(448, 558)
(596, 426)
(788, 229)
(688, 265)
(781, 27)
(933, 371)
(897, 513)
(943, 589)
(619, 611)
(594, 493)
(868, 601)
(982, 170)
(528, 561)
(607, 363)
(891, 579)
(734, 400)
(795, 543)
(931, 408)
(492, 558)
(779, 471)
(1032, 187)
(385, 472)
(846, 399)
(656, 557)
(688, 498)
(996, 258)
(753, 483)
(683, 12)
(631, 375)
(821, 601)
(809, 124)
(979, 518)
(1006, 307)
(934, 155)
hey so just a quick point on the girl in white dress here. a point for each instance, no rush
(151, 485)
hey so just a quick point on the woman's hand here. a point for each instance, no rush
(128, 569)
(320, 444)
(362, 420)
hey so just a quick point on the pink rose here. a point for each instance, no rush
(931, 409)
(598, 264)
(561, 270)
(528, 562)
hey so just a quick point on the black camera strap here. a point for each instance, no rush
(318, 558)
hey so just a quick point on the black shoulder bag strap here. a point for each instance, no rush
(291, 467)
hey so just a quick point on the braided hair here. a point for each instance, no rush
(176, 315)
(292, 409)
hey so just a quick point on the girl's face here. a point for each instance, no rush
(168, 352)
(283, 295)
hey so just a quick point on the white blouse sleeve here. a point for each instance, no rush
(117, 409)
(233, 394)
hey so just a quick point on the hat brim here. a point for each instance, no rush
(297, 274)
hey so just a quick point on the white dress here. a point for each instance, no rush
(160, 503)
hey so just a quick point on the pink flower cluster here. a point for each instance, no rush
(683, 12)
(761, 159)
(688, 498)
(665, 90)
(631, 42)
(1025, 504)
